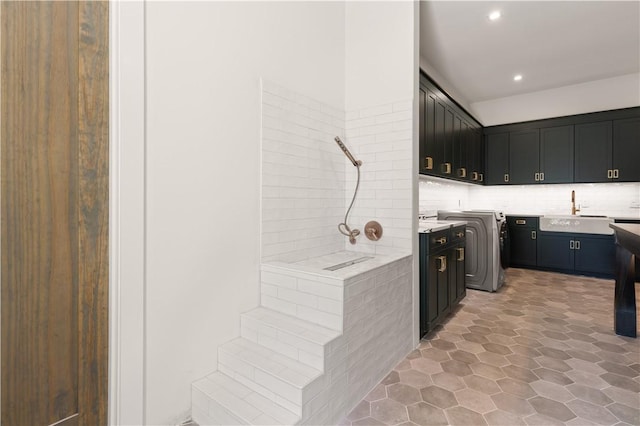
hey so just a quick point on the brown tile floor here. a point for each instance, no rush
(541, 351)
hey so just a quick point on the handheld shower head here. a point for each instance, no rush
(344, 149)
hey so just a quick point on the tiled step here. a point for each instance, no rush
(284, 380)
(220, 400)
(290, 336)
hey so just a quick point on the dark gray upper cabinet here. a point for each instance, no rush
(593, 151)
(448, 137)
(524, 154)
(626, 150)
(497, 160)
(587, 148)
(556, 154)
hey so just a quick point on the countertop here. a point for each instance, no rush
(628, 236)
(426, 226)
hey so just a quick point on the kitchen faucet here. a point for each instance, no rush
(573, 204)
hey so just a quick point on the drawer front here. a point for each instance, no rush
(522, 222)
(439, 239)
(458, 234)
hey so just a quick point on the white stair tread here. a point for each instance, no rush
(287, 369)
(301, 328)
(244, 403)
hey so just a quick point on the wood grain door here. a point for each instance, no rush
(54, 212)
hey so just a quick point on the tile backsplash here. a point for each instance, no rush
(303, 179)
(609, 199)
(381, 136)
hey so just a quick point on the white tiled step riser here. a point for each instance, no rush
(316, 301)
(206, 411)
(269, 384)
(307, 352)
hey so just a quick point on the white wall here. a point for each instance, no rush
(380, 57)
(204, 64)
(599, 95)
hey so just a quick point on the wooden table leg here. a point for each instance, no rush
(625, 296)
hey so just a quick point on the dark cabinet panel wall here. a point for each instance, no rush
(497, 165)
(523, 233)
(524, 154)
(626, 150)
(588, 254)
(556, 154)
(593, 148)
(585, 148)
(442, 275)
(450, 139)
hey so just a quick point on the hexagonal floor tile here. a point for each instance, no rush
(475, 401)
(550, 408)
(389, 411)
(426, 414)
(438, 397)
(404, 394)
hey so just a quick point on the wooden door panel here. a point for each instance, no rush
(54, 206)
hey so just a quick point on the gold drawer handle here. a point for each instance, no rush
(460, 234)
(521, 222)
(460, 251)
(446, 168)
(474, 176)
(442, 240)
(443, 263)
(462, 172)
(428, 163)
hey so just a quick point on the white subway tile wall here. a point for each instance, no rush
(303, 179)
(381, 137)
(609, 199)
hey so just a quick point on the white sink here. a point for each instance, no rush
(577, 224)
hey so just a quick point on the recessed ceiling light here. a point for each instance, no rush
(495, 15)
(517, 77)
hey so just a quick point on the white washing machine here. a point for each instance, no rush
(487, 250)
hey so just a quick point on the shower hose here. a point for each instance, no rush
(343, 227)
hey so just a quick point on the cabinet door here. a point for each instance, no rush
(476, 155)
(555, 251)
(460, 285)
(448, 158)
(556, 154)
(524, 154)
(429, 142)
(460, 150)
(626, 150)
(497, 161)
(592, 152)
(523, 246)
(432, 290)
(442, 264)
(440, 140)
(422, 135)
(595, 255)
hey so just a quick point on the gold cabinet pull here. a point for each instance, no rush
(460, 234)
(474, 176)
(443, 263)
(462, 172)
(541, 176)
(428, 163)
(460, 251)
(446, 168)
(610, 174)
(506, 177)
(521, 222)
(616, 173)
(481, 177)
(442, 240)
(534, 235)
(536, 177)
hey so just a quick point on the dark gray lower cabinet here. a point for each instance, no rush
(587, 254)
(442, 275)
(523, 233)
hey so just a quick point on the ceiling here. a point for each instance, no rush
(552, 44)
